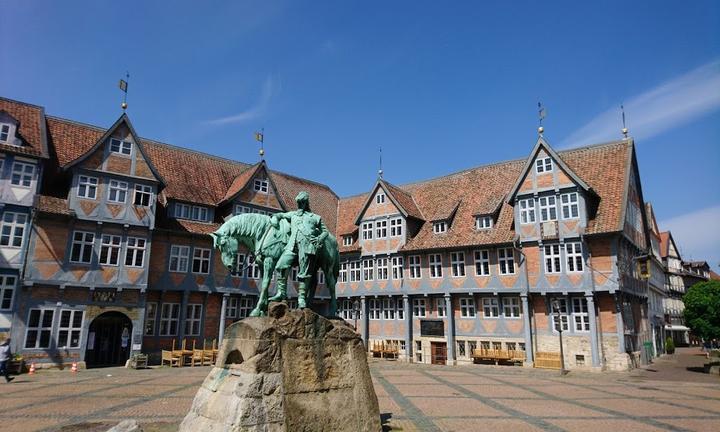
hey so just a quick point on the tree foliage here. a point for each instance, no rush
(702, 309)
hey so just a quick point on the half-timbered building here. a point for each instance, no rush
(118, 259)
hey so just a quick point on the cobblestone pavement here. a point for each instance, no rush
(412, 398)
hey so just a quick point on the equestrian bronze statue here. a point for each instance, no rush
(280, 242)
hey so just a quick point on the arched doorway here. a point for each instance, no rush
(109, 340)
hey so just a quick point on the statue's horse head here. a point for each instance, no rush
(246, 229)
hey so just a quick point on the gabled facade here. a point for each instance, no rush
(119, 259)
(23, 148)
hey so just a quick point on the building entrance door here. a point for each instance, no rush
(109, 340)
(438, 353)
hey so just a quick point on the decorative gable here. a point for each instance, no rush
(546, 170)
(254, 186)
(386, 199)
(119, 151)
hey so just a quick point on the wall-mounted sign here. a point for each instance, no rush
(432, 328)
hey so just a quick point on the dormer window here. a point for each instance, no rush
(4, 132)
(483, 222)
(186, 211)
(120, 147)
(347, 240)
(261, 185)
(439, 227)
(543, 165)
(380, 198)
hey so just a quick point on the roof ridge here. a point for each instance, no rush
(22, 103)
(305, 180)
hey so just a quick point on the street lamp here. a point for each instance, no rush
(558, 326)
(356, 311)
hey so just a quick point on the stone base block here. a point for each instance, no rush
(291, 371)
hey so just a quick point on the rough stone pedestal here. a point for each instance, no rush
(291, 371)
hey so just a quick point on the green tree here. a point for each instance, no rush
(702, 309)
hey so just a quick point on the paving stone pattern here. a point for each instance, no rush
(412, 398)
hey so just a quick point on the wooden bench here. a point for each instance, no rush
(172, 358)
(498, 355)
(547, 360)
(383, 349)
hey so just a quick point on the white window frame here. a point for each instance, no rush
(527, 211)
(381, 229)
(40, 328)
(380, 198)
(552, 257)
(135, 249)
(548, 208)
(261, 185)
(254, 271)
(457, 264)
(169, 318)
(374, 309)
(347, 240)
(439, 227)
(580, 315)
(415, 266)
(388, 308)
(367, 230)
(397, 267)
(355, 269)
(23, 174)
(12, 229)
(110, 247)
(396, 227)
(381, 266)
(144, 192)
(435, 265)
(419, 307)
(506, 256)
(4, 132)
(117, 189)
(246, 305)
(86, 185)
(86, 241)
(201, 256)
(343, 275)
(482, 262)
(491, 308)
(511, 307)
(574, 257)
(70, 330)
(467, 307)
(570, 205)
(179, 259)
(182, 211)
(7, 291)
(543, 165)
(231, 307)
(368, 266)
(483, 222)
(193, 318)
(564, 315)
(151, 310)
(199, 213)
(440, 307)
(120, 147)
(346, 309)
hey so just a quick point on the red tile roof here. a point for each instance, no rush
(241, 181)
(481, 190)
(55, 205)
(31, 128)
(664, 244)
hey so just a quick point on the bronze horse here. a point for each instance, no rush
(256, 233)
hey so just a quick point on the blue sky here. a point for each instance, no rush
(440, 87)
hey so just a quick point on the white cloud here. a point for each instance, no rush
(270, 88)
(697, 234)
(664, 107)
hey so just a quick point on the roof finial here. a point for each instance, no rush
(380, 171)
(624, 129)
(260, 137)
(124, 87)
(541, 116)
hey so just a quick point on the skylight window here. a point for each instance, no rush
(439, 227)
(483, 222)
